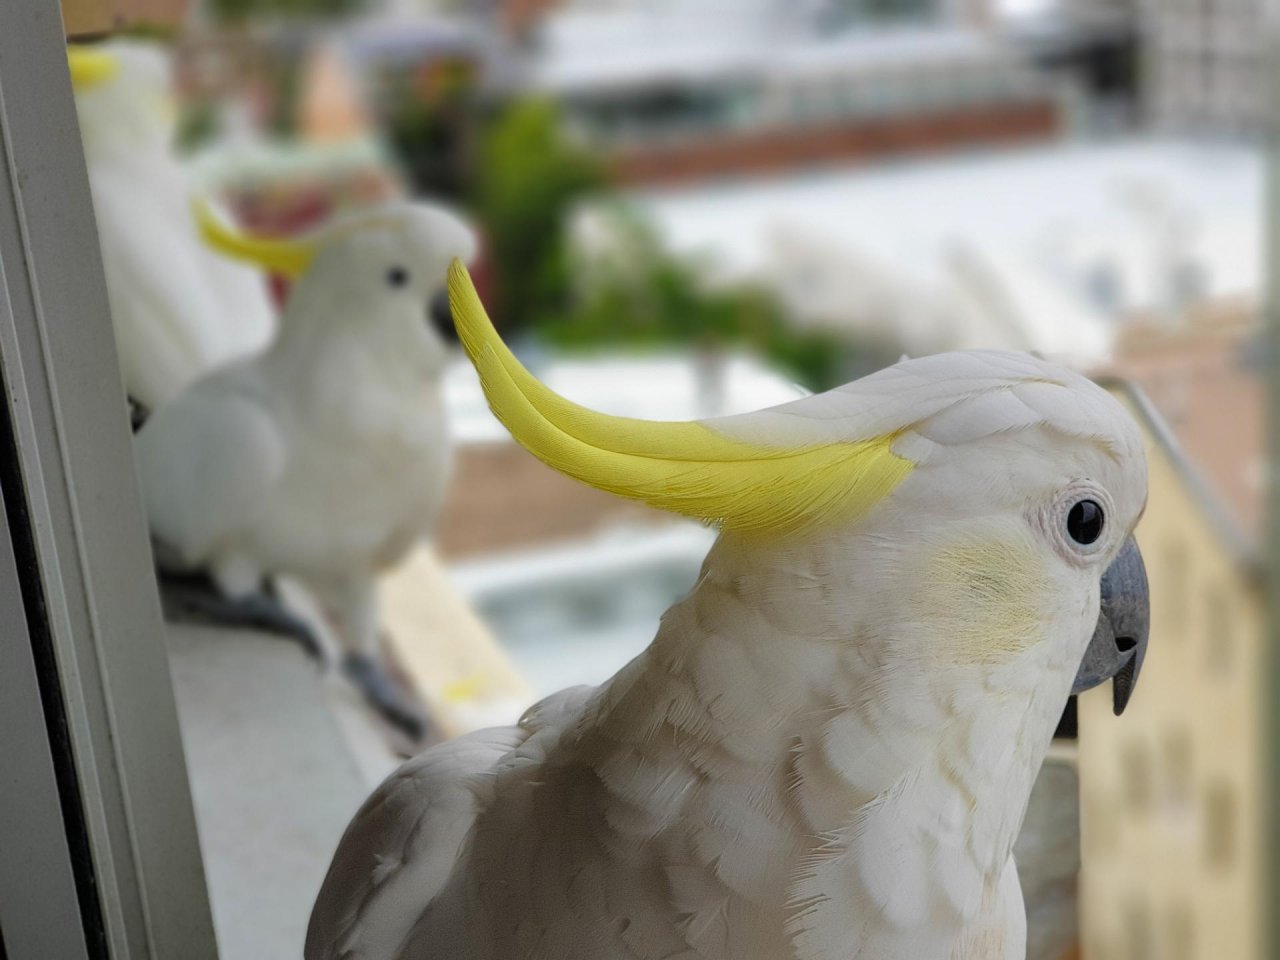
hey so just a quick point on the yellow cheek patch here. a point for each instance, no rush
(986, 599)
(687, 468)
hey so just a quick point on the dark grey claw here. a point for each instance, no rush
(195, 597)
(384, 694)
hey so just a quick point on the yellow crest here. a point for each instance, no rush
(90, 67)
(687, 468)
(288, 257)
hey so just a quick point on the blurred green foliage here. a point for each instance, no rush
(238, 11)
(197, 124)
(521, 176)
(637, 294)
(527, 180)
(433, 121)
(163, 33)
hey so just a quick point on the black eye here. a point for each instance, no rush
(1084, 522)
(397, 276)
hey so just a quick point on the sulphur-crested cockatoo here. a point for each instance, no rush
(326, 456)
(178, 309)
(827, 751)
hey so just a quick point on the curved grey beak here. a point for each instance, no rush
(441, 316)
(1119, 641)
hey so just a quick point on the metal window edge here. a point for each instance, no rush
(62, 389)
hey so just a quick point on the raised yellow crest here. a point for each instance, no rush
(687, 468)
(90, 67)
(287, 257)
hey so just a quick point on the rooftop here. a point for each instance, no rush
(1204, 379)
(1076, 235)
(616, 49)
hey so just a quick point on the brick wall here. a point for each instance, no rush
(867, 139)
(503, 498)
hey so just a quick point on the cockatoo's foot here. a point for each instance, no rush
(384, 694)
(138, 413)
(194, 597)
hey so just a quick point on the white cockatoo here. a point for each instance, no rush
(326, 456)
(178, 309)
(827, 751)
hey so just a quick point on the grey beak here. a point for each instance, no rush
(1119, 641)
(441, 317)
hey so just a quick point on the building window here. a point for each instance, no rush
(1172, 590)
(1101, 836)
(1220, 824)
(1219, 632)
(1138, 929)
(1137, 776)
(1097, 946)
(1181, 932)
(1177, 767)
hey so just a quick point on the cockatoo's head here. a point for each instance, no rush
(985, 500)
(377, 274)
(123, 95)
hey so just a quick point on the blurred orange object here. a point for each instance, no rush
(95, 18)
(331, 110)
(87, 18)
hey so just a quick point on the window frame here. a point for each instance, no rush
(77, 587)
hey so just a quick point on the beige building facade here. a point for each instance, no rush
(1171, 796)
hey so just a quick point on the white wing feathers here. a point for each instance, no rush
(401, 848)
(205, 461)
(558, 710)
(405, 843)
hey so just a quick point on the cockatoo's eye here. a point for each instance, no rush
(1085, 521)
(397, 277)
(1076, 521)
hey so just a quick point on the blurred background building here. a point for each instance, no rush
(1180, 790)
(691, 207)
(1206, 69)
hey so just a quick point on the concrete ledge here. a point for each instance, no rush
(279, 760)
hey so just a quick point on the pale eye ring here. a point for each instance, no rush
(1077, 521)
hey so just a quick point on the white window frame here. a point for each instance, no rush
(99, 855)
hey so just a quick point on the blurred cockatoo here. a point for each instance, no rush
(326, 456)
(179, 310)
(827, 751)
